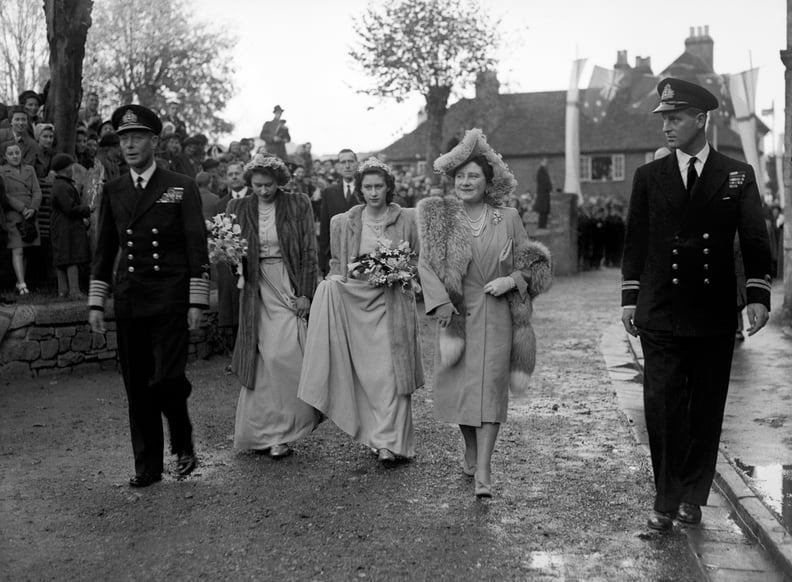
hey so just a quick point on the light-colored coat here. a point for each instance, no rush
(490, 343)
(345, 235)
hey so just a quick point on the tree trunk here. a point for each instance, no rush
(68, 22)
(786, 58)
(436, 105)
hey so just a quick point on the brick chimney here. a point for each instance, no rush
(488, 105)
(621, 60)
(487, 85)
(700, 44)
(643, 65)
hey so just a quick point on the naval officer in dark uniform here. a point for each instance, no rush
(152, 219)
(678, 294)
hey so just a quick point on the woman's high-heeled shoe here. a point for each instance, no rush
(483, 490)
(385, 456)
(22, 289)
(468, 470)
(279, 451)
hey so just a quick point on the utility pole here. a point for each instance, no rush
(786, 58)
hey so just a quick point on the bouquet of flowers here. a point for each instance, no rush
(225, 242)
(386, 266)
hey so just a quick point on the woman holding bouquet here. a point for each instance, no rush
(365, 357)
(479, 274)
(279, 282)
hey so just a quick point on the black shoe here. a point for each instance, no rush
(689, 513)
(661, 520)
(145, 479)
(185, 464)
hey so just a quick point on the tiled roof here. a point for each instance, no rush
(533, 124)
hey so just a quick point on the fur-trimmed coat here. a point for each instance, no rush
(490, 343)
(297, 241)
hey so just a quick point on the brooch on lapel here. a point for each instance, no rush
(171, 196)
(736, 179)
(497, 216)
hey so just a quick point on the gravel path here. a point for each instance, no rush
(572, 488)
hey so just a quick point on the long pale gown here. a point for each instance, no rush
(270, 413)
(349, 373)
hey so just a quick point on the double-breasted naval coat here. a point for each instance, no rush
(678, 266)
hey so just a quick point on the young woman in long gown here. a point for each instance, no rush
(279, 283)
(363, 357)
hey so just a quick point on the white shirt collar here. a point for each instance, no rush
(683, 160)
(146, 175)
(240, 193)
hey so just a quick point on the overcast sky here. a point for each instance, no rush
(295, 53)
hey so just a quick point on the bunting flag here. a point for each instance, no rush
(602, 89)
(572, 142)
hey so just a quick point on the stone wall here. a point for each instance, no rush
(561, 235)
(55, 339)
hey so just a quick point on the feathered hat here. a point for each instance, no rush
(474, 143)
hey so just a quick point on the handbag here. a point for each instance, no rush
(27, 230)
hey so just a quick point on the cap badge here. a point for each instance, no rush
(129, 117)
(668, 93)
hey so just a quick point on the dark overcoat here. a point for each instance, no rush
(334, 201)
(68, 233)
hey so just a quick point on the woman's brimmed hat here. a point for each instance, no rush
(473, 144)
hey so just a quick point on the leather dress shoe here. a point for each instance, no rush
(185, 463)
(145, 479)
(689, 513)
(661, 520)
(279, 451)
(385, 456)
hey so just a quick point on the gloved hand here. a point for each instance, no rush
(499, 286)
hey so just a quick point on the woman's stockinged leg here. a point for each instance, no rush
(486, 435)
(18, 262)
(471, 447)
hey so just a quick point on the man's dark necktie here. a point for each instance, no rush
(139, 185)
(692, 175)
(348, 193)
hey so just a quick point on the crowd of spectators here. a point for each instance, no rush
(218, 171)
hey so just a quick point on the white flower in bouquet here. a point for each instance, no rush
(225, 241)
(386, 266)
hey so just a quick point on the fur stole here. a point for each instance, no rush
(446, 247)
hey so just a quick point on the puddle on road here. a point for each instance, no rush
(774, 484)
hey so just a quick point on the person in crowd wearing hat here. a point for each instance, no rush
(109, 155)
(678, 294)
(212, 167)
(151, 218)
(275, 134)
(45, 139)
(337, 198)
(68, 235)
(479, 274)
(23, 195)
(195, 152)
(19, 133)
